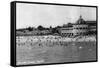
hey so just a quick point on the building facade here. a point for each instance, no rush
(77, 29)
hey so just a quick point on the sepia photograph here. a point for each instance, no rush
(48, 33)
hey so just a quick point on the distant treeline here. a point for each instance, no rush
(40, 27)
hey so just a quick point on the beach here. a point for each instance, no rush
(54, 49)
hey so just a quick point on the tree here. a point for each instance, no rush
(30, 28)
(54, 30)
(58, 27)
(40, 27)
(50, 27)
(69, 24)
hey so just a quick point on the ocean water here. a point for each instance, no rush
(41, 52)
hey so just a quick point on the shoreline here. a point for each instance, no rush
(57, 38)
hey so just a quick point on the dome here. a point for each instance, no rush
(80, 21)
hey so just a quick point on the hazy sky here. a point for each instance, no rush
(51, 15)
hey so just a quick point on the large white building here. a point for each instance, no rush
(78, 28)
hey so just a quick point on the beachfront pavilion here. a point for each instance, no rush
(78, 28)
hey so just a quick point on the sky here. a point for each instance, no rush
(34, 15)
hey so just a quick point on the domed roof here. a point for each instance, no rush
(80, 21)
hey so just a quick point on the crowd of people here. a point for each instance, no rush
(40, 41)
